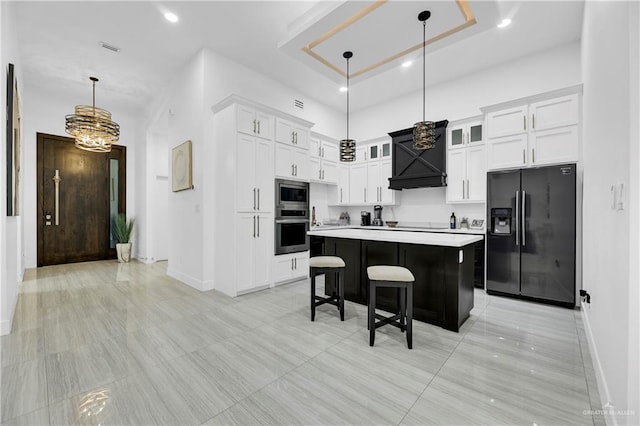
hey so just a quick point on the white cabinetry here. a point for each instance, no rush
(291, 162)
(378, 174)
(289, 267)
(254, 174)
(290, 133)
(466, 162)
(358, 184)
(254, 248)
(543, 131)
(254, 122)
(323, 157)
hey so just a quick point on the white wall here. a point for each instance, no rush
(44, 112)
(608, 31)
(11, 259)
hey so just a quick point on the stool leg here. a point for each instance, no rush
(313, 294)
(372, 312)
(402, 297)
(341, 280)
(336, 278)
(410, 315)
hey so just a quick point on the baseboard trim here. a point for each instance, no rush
(603, 389)
(189, 280)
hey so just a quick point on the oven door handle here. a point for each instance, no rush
(292, 220)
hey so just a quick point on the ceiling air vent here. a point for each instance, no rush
(110, 47)
(298, 103)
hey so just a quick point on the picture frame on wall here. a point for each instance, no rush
(181, 168)
(13, 149)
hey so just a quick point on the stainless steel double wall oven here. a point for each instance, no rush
(291, 216)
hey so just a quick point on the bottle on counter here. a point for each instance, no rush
(452, 221)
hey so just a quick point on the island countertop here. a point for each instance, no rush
(424, 238)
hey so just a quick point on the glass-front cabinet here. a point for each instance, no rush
(462, 134)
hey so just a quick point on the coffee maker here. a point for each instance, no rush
(377, 216)
(365, 218)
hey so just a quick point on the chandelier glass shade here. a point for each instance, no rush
(424, 132)
(91, 127)
(347, 146)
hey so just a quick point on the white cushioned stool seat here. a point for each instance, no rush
(326, 262)
(389, 273)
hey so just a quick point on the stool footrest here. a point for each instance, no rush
(392, 320)
(322, 300)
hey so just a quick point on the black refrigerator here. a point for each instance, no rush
(531, 233)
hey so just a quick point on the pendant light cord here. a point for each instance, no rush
(347, 98)
(424, 69)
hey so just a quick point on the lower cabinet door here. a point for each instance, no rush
(426, 265)
(301, 265)
(380, 253)
(282, 268)
(245, 247)
(349, 251)
(263, 251)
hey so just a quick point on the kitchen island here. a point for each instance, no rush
(441, 263)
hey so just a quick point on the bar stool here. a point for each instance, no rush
(395, 277)
(319, 265)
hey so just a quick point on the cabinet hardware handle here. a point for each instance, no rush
(259, 127)
(254, 198)
(254, 126)
(56, 181)
(296, 169)
(322, 152)
(258, 198)
(524, 120)
(340, 194)
(295, 263)
(533, 155)
(292, 264)
(533, 121)
(258, 220)
(254, 226)
(292, 170)
(319, 152)
(524, 213)
(517, 218)
(463, 189)
(365, 195)
(468, 190)
(320, 174)
(524, 156)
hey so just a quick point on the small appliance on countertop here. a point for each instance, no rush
(365, 218)
(377, 213)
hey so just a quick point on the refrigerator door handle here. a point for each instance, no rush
(517, 218)
(524, 225)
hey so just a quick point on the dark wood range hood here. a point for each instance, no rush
(414, 168)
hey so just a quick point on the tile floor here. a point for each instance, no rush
(107, 343)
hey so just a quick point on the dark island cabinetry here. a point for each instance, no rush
(443, 290)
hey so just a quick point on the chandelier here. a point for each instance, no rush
(424, 132)
(92, 127)
(347, 146)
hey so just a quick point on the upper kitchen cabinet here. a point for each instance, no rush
(254, 122)
(379, 150)
(290, 133)
(465, 133)
(323, 159)
(254, 174)
(541, 130)
(291, 162)
(321, 148)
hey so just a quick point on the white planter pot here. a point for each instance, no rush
(123, 251)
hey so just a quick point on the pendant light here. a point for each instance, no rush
(424, 132)
(92, 127)
(347, 146)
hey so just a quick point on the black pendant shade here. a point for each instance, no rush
(424, 132)
(347, 146)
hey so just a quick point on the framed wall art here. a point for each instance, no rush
(181, 173)
(13, 144)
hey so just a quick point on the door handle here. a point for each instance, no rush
(524, 224)
(517, 218)
(320, 174)
(340, 194)
(292, 264)
(463, 189)
(524, 120)
(254, 227)
(322, 152)
(292, 170)
(365, 195)
(524, 156)
(254, 198)
(258, 198)
(533, 121)
(533, 155)
(254, 126)
(258, 126)
(323, 175)
(56, 182)
(258, 222)
(296, 168)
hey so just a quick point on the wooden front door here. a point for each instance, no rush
(74, 220)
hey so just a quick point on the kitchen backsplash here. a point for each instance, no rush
(422, 205)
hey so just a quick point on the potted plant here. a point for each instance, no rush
(122, 230)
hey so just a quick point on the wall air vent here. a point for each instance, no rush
(110, 47)
(298, 103)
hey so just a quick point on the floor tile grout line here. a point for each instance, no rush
(439, 369)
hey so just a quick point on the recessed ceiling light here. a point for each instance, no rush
(504, 23)
(171, 17)
(407, 64)
(343, 89)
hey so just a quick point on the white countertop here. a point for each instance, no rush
(377, 233)
(479, 231)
